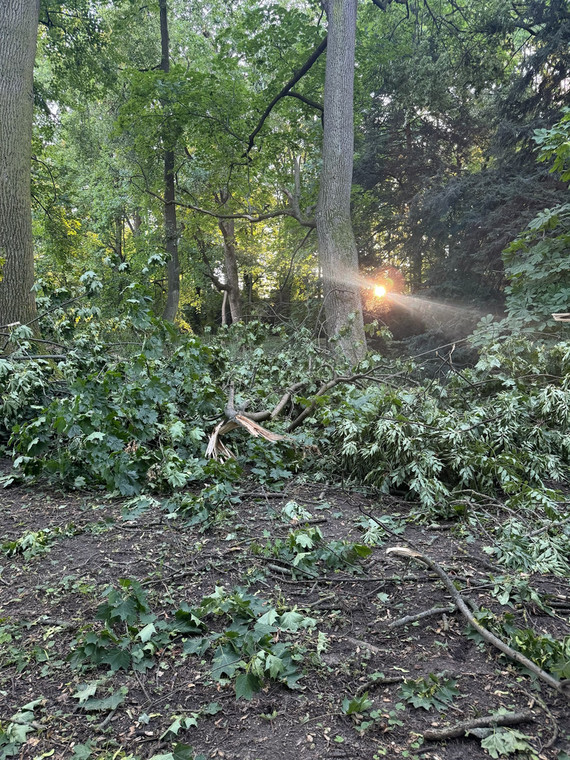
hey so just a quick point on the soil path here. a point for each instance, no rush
(358, 675)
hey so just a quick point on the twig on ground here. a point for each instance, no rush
(562, 687)
(384, 681)
(541, 703)
(496, 719)
(107, 720)
(420, 615)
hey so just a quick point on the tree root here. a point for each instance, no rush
(562, 687)
(487, 721)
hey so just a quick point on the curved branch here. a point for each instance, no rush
(305, 99)
(562, 687)
(285, 91)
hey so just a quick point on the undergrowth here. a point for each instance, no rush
(485, 441)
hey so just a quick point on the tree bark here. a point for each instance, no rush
(230, 264)
(18, 37)
(227, 229)
(170, 229)
(337, 246)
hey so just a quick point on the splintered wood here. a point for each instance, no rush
(219, 451)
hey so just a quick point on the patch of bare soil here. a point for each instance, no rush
(52, 588)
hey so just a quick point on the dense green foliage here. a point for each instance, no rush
(447, 101)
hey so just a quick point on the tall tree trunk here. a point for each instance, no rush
(18, 36)
(337, 246)
(227, 229)
(170, 229)
(230, 261)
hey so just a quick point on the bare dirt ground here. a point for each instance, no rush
(51, 589)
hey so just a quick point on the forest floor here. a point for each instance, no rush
(341, 637)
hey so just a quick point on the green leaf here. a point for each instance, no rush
(83, 751)
(292, 621)
(117, 659)
(95, 436)
(197, 645)
(85, 690)
(247, 685)
(274, 665)
(505, 741)
(361, 550)
(212, 708)
(225, 662)
(269, 618)
(108, 703)
(146, 633)
(180, 752)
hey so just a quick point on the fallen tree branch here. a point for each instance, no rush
(535, 698)
(421, 615)
(562, 687)
(217, 450)
(486, 721)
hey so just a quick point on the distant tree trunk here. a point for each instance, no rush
(231, 268)
(170, 229)
(248, 288)
(227, 229)
(18, 35)
(337, 246)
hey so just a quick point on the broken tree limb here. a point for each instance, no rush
(250, 420)
(421, 615)
(562, 687)
(496, 719)
(219, 451)
(270, 414)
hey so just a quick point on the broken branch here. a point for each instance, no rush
(487, 721)
(562, 687)
(421, 615)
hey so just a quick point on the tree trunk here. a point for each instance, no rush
(18, 36)
(230, 260)
(170, 230)
(337, 246)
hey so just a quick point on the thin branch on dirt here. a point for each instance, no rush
(108, 719)
(283, 564)
(551, 524)
(487, 721)
(562, 687)
(421, 615)
(33, 357)
(384, 681)
(541, 703)
(59, 623)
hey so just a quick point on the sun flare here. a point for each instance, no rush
(379, 291)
